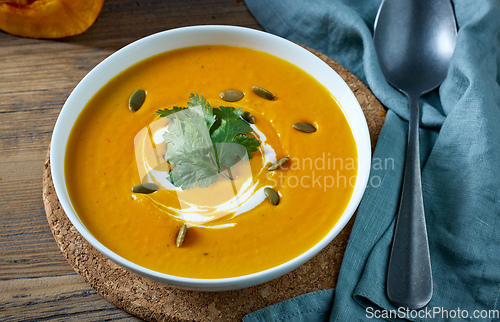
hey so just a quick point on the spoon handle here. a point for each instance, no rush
(409, 277)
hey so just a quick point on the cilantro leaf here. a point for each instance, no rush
(232, 129)
(200, 140)
(190, 150)
(197, 168)
(195, 103)
(166, 112)
(249, 142)
(231, 123)
(206, 111)
(229, 153)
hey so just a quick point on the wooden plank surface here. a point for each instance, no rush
(36, 77)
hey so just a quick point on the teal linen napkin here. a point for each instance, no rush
(460, 147)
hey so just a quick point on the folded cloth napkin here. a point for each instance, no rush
(460, 147)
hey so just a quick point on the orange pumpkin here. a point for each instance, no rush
(48, 18)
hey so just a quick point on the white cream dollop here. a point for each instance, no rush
(242, 193)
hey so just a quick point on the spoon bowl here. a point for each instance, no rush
(414, 41)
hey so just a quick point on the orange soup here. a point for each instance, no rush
(110, 149)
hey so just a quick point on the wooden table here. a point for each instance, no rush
(36, 77)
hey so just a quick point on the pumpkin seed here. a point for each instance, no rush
(247, 116)
(272, 195)
(181, 235)
(145, 188)
(136, 100)
(278, 164)
(304, 127)
(231, 95)
(263, 93)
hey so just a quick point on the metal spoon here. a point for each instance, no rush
(414, 41)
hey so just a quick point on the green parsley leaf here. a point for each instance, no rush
(201, 140)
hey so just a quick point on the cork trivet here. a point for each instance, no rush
(154, 301)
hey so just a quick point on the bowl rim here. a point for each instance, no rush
(208, 35)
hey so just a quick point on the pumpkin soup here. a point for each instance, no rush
(268, 204)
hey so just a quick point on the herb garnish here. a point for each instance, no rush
(203, 141)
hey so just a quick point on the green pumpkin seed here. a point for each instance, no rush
(304, 127)
(181, 235)
(247, 116)
(136, 100)
(231, 95)
(278, 164)
(272, 195)
(263, 93)
(145, 188)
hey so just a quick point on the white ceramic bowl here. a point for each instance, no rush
(210, 35)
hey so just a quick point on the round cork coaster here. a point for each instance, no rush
(154, 301)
